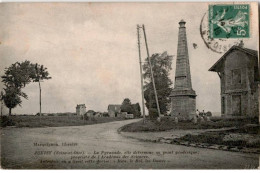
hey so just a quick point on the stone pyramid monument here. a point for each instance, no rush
(183, 97)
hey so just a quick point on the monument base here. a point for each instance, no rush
(183, 104)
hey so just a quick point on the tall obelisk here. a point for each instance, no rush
(183, 97)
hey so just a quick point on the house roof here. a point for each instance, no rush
(81, 105)
(220, 61)
(114, 107)
(90, 111)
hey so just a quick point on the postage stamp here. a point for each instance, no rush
(225, 25)
(217, 45)
(229, 21)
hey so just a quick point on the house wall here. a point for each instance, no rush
(113, 110)
(80, 111)
(98, 115)
(122, 114)
(111, 113)
(237, 85)
(90, 114)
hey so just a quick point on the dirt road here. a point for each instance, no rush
(79, 147)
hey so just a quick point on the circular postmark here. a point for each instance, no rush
(217, 45)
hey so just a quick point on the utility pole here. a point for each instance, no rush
(1, 108)
(154, 88)
(1, 98)
(141, 74)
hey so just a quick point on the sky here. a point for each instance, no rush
(90, 50)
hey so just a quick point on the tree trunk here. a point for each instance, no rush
(40, 98)
(10, 111)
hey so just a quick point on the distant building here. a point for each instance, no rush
(98, 114)
(113, 110)
(90, 113)
(105, 114)
(80, 109)
(129, 116)
(239, 77)
(122, 114)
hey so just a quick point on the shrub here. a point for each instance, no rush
(209, 114)
(93, 119)
(105, 114)
(153, 114)
(85, 117)
(6, 121)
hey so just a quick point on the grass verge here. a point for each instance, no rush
(167, 123)
(243, 137)
(53, 121)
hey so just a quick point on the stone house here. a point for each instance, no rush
(129, 116)
(80, 109)
(90, 113)
(113, 110)
(239, 78)
(98, 114)
(122, 114)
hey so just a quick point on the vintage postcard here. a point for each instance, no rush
(168, 85)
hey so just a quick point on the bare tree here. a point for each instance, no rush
(41, 73)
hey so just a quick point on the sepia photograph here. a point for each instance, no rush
(120, 85)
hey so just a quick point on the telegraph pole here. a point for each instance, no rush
(142, 87)
(1, 108)
(154, 88)
(1, 98)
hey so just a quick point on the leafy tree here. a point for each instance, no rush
(18, 75)
(127, 106)
(40, 73)
(130, 108)
(15, 78)
(137, 110)
(161, 67)
(12, 97)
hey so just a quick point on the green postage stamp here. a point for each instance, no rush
(229, 21)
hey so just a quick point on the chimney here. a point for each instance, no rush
(241, 44)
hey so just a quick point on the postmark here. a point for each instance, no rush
(215, 37)
(229, 21)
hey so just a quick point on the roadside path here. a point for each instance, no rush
(18, 150)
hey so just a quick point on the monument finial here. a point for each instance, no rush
(182, 23)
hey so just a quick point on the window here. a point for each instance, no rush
(236, 76)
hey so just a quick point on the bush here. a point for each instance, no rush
(85, 117)
(23, 115)
(6, 121)
(209, 114)
(93, 119)
(153, 114)
(105, 114)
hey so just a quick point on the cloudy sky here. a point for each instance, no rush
(90, 50)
